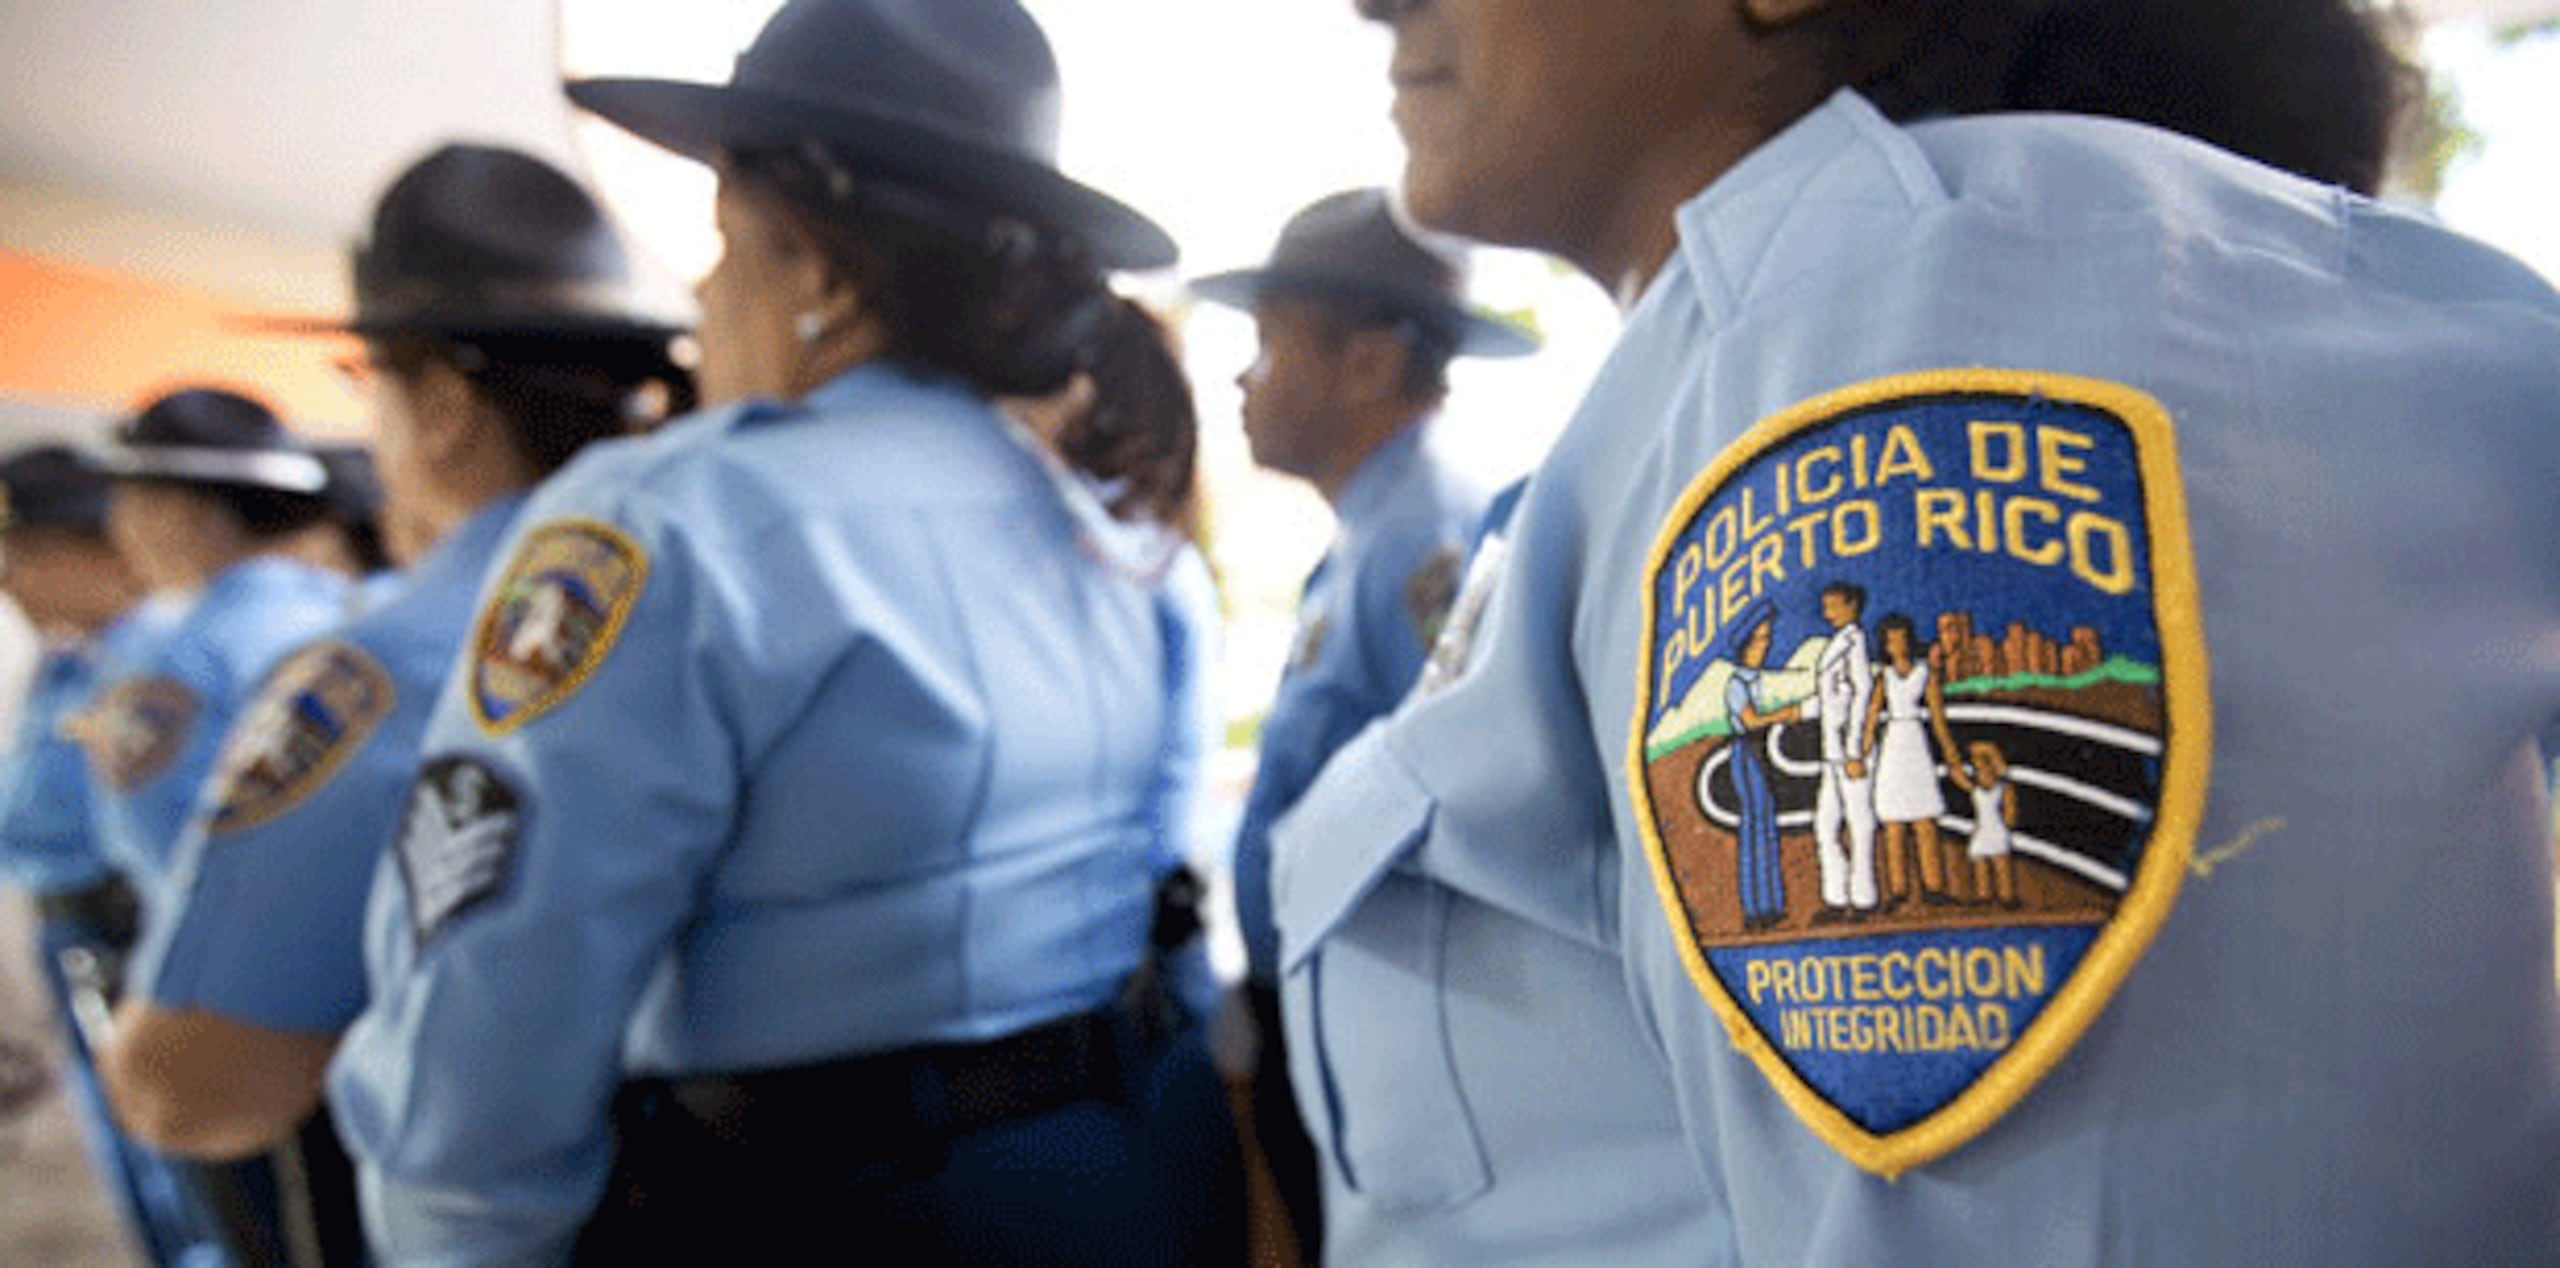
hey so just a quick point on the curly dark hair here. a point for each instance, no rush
(2311, 86)
(1007, 307)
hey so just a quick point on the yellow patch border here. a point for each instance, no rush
(2188, 717)
(608, 633)
(327, 768)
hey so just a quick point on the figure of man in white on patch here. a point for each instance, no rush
(540, 637)
(1842, 682)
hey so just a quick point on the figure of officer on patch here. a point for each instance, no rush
(1357, 321)
(1761, 876)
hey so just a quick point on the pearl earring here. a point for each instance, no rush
(809, 325)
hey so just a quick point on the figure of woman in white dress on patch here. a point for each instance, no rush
(1910, 711)
(1985, 775)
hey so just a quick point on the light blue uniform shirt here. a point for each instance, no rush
(1365, 622)
(268, 887)
(46, 845)
(876, 761)
(2342, 1045)
(48, 829)
(169, 714)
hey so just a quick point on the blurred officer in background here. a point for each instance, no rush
(505, 326)
(2158, 449)
(788, 833)
(1357, 321)
(58, 565)
(216, 503)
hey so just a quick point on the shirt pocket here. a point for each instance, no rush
(1365, 989)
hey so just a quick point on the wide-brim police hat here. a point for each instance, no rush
(954, 96)
(483, 240)
(207, 436)
(50, 486)
(1351, 247)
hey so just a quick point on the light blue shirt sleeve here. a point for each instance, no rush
(45, 834)
(476, 1093)
(2322, 1009)
(269, 880)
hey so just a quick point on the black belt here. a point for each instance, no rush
(898, 1099)
(109, 909)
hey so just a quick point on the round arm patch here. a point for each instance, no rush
(553, 616)
(315, 712)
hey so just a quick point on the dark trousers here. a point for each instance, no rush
(1131, 1161)
(1280, 1132)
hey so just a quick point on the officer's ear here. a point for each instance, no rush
(1771, 14)
(1371, 367)
(444, 412)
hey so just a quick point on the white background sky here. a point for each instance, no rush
(1221, 117)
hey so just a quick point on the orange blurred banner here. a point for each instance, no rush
(77, 336)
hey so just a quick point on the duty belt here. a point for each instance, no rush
(897, 1099)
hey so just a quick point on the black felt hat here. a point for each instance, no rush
(212, 437)
(354, 491)
(1351, 247)
(477, 239)
(955, 96)
(50, 486)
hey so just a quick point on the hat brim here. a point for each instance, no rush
(468, 319)
(699, 121)
(280, 470)
(1479, 334)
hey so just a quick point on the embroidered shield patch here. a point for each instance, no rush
(457, 845)
(554, 615)
(1307, 646)
(1430, 590)
(315, 712)
(1922, 739)
(136, 729)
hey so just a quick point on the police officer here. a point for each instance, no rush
(1357, 321)
(214, 502)
(505, 326)
(59, 567)
(2127, 426)
(798, 781)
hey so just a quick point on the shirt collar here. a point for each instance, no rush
(466, 546)
(1371, 490)
(1816, 192)
(258, 573)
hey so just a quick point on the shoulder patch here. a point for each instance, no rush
(1907, 891)
(1430, 590)
(1453, 649)
(317, 709)
(1307, 647)
(457, 843)
(554, 615)
(137, 727)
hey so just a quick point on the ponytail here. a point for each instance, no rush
(555, 392)
(1141, 434)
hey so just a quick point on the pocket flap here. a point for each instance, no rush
(1363, 814)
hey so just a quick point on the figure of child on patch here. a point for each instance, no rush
(1985, 775)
